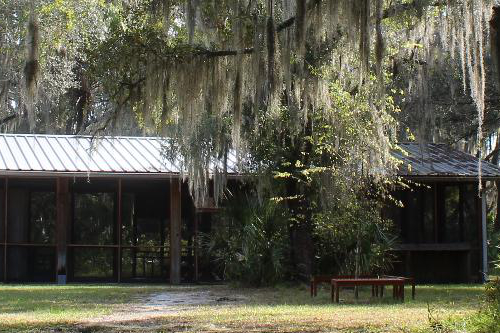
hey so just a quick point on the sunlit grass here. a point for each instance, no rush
(25, 306)
(291, 310)
(36, 308)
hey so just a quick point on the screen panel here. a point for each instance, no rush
(93, 263)
(42, 217)
(452, 214)
(94, 221)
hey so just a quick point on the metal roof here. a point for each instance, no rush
(435, 160)
(39, 154)
(65, 154)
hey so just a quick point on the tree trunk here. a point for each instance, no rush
(302, 228)
(302, 249)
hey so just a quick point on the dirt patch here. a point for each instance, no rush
(153, 306)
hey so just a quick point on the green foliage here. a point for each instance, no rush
(487, 320)
(249, 242)
(494, 253)
(353, 238)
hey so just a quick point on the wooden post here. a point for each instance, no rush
(436, 216)
(119, 231)
(5, 208)
(484, 238)
(63, 202)
(196, 221)
(175, 231)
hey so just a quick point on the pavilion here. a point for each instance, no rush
(443, 218)
(118, 211)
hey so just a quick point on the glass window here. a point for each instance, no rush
(94, 221)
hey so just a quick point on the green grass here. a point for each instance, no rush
(35, 308)
(30, 306)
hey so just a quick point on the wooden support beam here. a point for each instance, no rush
(5, 209)
(436, 213)
(196, 250)
(175, 231)
(119, 231)
(62, 221)
(484, 238)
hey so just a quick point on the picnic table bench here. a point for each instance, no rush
(377, 285)
(317, 279)
(396, 283)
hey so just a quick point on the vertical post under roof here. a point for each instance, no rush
(5, 208)
(484, 238)
(196, 249)
(119, 231)
(175, 231)
(62, 219)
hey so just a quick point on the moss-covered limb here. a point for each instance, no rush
(400, 8)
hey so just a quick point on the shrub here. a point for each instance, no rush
(249, 242)
(353, 239)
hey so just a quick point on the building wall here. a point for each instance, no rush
(439, 228)
(103, 230)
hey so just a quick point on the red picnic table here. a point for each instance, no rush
(397, 284)
(377, 288)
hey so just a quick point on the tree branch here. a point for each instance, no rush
(389, 12)
(8, 118)
(279, 28)
(403, 7)
(490, 155)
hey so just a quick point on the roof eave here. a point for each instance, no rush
(449, 177)
(95, 174)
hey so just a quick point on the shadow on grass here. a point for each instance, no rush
(467, 296)
(52, 308)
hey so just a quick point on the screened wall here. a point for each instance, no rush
(115, 230)
(440, 232)
(438, 213)
(28, 237)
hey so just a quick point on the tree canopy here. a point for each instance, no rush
(211, 75)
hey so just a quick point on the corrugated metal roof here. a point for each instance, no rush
(29, 153)
(66, 154)
(434, 159)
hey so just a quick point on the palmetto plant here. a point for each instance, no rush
(249, 242)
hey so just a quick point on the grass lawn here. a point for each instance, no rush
(72, 308)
